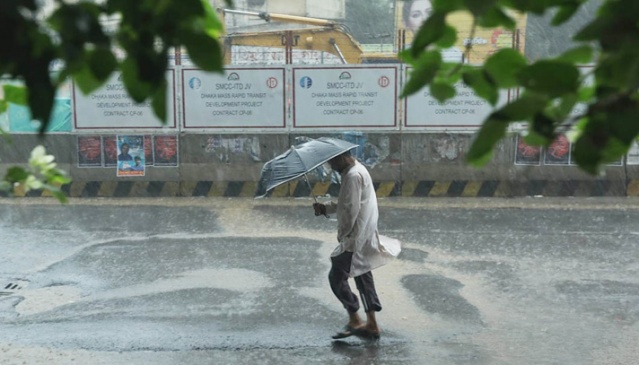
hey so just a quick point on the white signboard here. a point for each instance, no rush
(633, 154)
(465, 111)
(110, 107)
(348, 97)
(240, 98)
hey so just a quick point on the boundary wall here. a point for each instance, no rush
(222, 128)
(416, 165)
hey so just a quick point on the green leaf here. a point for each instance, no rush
(480, 7)
(442, 91)
(138, 89)
(184, 9)
(204, 51)
(586, 154)
(4, 105)
(16, 174)
(566, 11)
(550, 77)
(544, 126)
(566, 105)
(503, 67)
(522, 109)
(86, 81)
(579, 55)
(213, 24)
(586, 93)
(15, 94)
(533, 6)
(495, 17)
(447, 6)
(102, 63)
(58, 179)
(426, 68)
(535, 139)
(491, 131)
(430, 32)
(61, 196)
(407, 56)
(449, 37)
(622, 121)
(482, 84)
(41, 99)
(159, 102)
(592, 31)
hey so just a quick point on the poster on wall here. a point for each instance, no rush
(410, 14)
(165, 151)
(148, 150)
(558, 153)
(348, 97)
(89, 151)
(110, 151)
(240, 98)
(526, 154)
(130, 159)
(110, 107)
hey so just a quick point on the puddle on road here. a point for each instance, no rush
(46, 299)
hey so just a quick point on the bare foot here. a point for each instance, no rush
(367, 333)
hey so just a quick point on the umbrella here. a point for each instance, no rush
(298, 161)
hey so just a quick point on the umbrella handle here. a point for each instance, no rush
(314, 197)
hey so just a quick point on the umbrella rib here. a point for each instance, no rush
(307, 169)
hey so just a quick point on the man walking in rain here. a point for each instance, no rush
(361, 248)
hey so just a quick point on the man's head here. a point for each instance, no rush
(341, 162)
(138, 160)
(125, 148)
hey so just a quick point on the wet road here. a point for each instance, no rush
(237, 281)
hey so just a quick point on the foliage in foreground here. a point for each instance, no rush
(74, 36)
(77, 37)
(550, 88)
(40, 174)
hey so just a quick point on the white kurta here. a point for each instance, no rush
(357, 216)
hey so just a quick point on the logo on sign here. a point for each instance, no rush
(383, 81)
(306, 82)
(345, 76)
(233, 76)
(195, 83)
(271, 82)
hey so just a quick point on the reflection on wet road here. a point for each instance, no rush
(171, 281)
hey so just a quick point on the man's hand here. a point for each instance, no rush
(320, 209)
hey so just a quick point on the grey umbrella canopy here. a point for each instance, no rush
(299, 160)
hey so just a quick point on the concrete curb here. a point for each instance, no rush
(456, 188)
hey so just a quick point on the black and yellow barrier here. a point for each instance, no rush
(456, 188)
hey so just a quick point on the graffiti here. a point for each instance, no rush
(225, 147)
(447, 147)
(249, 55)
(369, 153)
